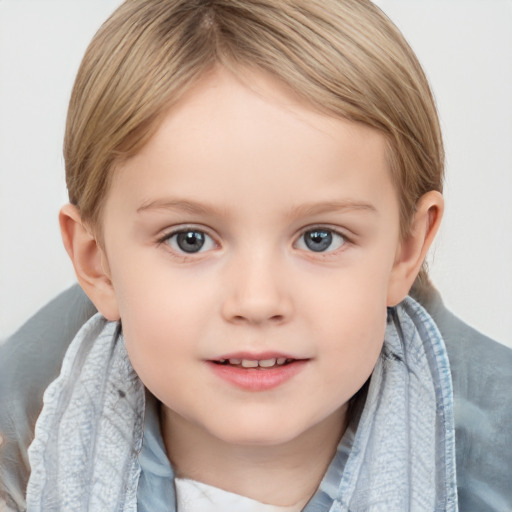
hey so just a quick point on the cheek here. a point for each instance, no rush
(152, 294)
(356, 335)
(148, 310)
(157, 325)
(350, 322)
(161, 345)
(165, 316)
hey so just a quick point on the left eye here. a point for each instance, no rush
(190, 241)
(320, 240)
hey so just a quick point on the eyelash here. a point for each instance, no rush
(332, 234)
(179, 251)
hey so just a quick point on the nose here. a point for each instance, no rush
(257, 292)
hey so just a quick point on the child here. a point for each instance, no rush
(254, 187)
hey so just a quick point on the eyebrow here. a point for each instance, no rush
(308, 209)
(333, 206)
(176, 204)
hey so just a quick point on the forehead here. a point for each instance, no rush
(256, 140)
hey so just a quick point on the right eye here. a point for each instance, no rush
(189, 241)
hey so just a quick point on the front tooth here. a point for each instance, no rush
(281, 360)
(247, 363)
(267, 363)
(235, 361)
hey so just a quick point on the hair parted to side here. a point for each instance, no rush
(345, 57)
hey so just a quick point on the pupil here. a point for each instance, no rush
(190, 241)
(318, 240)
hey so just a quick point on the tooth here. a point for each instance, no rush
(222, 360)
(235, 361)
(267, 363)
(247, 363)
(281, 360)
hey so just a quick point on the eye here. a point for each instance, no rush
(321, 240)
(189, 241)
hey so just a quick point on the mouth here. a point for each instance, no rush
(260, 364)
(260, 372)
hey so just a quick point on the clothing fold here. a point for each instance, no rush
(84, 454)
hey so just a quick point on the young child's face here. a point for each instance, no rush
(253, 229)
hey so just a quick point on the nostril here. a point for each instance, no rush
(253, 319)
(257, 320)
(253, 309)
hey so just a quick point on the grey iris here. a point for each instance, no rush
(318, 240)
(190, 241)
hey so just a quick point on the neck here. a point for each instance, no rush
(284, 475)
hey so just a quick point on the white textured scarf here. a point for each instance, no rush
(84, 455)
(400, 458)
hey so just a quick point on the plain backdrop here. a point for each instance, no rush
(466, 49)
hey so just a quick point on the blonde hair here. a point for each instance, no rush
(345, 57)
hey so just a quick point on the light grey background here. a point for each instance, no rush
(466, 49)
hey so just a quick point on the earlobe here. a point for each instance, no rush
(90, 262)
(413, 249)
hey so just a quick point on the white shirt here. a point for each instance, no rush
(193, 496)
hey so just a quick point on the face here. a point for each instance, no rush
(251, 244)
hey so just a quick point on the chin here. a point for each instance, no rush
(273, 432)
(258, 439)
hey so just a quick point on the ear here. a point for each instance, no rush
(90, 262)
(413, 249)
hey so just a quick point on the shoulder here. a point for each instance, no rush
(482, 382)
(29, 361)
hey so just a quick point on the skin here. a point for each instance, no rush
(254, 169)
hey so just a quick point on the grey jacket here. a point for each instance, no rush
(481, 374)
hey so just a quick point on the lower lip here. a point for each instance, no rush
(256, 379)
